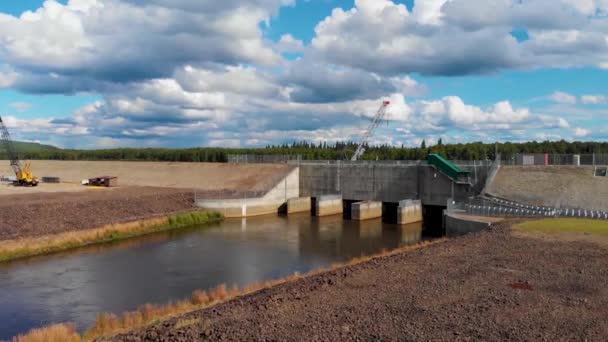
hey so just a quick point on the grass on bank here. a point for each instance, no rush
(28, 247)
(58, 332)
(566, 226)
(109, 324)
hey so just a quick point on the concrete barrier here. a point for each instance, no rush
(366, 210)
(409, 211)
(328, 205)
(461, 224)
(299, 205)
(241, 207)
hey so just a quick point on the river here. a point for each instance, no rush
(75, 286)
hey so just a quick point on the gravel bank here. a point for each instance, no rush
(565, 186)
(489, 286)
(32, 215)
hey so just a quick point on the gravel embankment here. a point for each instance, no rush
(565, 186)
(31, 215)
(489, 286)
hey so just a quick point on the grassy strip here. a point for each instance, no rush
(149, 314)
(566, 225)
(15, 249)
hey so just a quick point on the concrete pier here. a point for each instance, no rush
(328, 205)
(299, 205)
(409, 211)
(366, 210)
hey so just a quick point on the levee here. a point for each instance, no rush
(202, 176)
(553, 186)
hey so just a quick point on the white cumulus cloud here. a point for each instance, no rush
(561, 97)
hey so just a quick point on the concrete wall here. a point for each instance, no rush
(288, 187)
(457, 225)
(241, 208)
(436, 188)
(270, 203)
(359, 182)
(385, 182)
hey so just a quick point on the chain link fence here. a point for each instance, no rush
(596, 159)
(263, 158)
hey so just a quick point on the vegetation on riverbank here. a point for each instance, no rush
(148, 314)
(566, 225)
(27, 247)
(566, 229)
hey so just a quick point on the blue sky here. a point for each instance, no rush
(252, 73)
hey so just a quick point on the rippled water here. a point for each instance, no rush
(75, 286)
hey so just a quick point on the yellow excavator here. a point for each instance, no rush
(23, 173)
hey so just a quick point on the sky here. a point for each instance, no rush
(246, 73)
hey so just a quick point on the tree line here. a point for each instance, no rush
(323, 151)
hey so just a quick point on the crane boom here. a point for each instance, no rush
(23, 173)
(370, 130)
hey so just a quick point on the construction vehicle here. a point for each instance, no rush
(370, 130)
(23, 173)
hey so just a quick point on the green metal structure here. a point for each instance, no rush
(447, 167)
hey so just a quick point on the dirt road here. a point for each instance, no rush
(35, 214)
(490, 286)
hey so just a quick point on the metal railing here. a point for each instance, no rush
(503, 208)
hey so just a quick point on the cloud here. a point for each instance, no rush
(460, 37)
(581, 132)
(594, 99)
(288, 43)
(316, 83)
(561, 97)
(21, 106)
(202, 72)
(86, 43)
(167, 112)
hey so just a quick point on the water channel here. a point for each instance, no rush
(77, 285)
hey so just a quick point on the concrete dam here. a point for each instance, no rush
(361, 190)
(404, 191)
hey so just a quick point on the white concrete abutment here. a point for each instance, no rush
(328, 205)
(367, 210)
(409, 211)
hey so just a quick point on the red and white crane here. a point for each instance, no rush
(376, 121)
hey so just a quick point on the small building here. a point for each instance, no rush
(105, 181)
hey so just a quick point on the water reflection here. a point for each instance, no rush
(75, 286)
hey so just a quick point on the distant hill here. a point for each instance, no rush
(23, 147)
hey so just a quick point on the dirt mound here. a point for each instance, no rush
(31, 215)
(564, 186)
(491, 286)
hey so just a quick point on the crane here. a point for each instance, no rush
(22, 172)
(370, 130)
